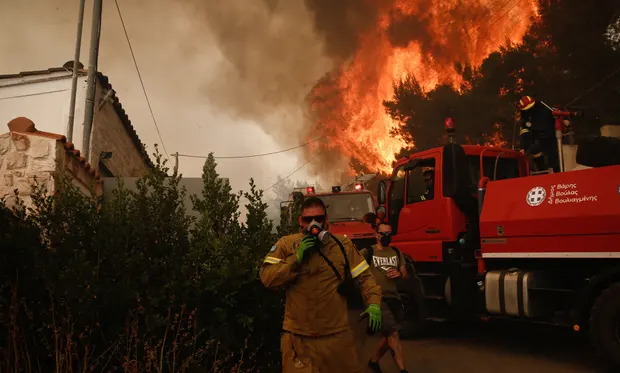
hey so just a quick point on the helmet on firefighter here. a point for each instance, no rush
(525, 103)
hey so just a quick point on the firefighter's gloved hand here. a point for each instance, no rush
(374, 317)
(306, 244)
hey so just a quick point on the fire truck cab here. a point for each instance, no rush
(490, 240)
(345, 208)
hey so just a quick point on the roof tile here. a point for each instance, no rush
(25, 125)
(118, 107)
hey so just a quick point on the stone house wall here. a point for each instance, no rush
(26, 154)
(23, 158)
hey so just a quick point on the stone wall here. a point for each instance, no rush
(111, 135)
(26, 154)
(22, 158)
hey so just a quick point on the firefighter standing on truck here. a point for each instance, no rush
(537, 133)
(317, 336)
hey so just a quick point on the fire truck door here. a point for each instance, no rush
(418, 232)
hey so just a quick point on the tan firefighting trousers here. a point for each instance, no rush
(333, 353)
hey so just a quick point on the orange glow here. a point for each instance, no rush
(348, 106)
(496, 138)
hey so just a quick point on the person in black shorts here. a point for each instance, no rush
(387, 264)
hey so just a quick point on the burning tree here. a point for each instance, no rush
(563, 55)
(417, 42)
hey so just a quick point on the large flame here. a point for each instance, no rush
(348, 105)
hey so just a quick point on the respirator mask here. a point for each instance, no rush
(386, 238)
(347, 285)
(316, 229)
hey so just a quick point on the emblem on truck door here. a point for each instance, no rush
(536, 196)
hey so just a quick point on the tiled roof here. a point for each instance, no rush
(105, 82)
(118, 107)
(38, 72)
(26, 126)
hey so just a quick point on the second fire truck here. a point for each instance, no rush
(497, 242)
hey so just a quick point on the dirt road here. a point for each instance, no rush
(489, 348)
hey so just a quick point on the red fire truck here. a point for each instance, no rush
(494, 241)
(346, 209)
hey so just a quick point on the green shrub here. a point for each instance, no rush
(135, 284)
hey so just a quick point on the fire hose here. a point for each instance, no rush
(561, 116)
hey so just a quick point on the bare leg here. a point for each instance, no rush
(382, 348)
(394, 343)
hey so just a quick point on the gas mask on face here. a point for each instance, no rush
(386, 238)
(316, 229)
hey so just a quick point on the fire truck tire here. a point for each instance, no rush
(605, 324)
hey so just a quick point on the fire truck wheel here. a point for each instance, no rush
(605, 324)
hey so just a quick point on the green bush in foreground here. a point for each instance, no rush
(136, 285)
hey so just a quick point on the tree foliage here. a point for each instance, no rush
(136, 284)
(562, 60)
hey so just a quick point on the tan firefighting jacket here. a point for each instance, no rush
(313, 305)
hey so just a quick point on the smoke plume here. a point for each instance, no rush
(273, 57)
(323, 67)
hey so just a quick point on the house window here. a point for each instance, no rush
(104, 171)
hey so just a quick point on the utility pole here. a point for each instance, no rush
(76, 61)
(176, 163)
(95, 33)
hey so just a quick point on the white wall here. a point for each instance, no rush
(45, 103)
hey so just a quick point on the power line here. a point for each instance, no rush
(254, 155)
(291, 174)
(34, 94)
(141, 81)
(593, 87)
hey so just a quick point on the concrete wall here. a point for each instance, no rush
(45, 100)
(193, 185)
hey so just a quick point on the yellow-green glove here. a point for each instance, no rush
(305, 245)
(374, 317)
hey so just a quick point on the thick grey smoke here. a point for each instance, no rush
(177, 57)
(273, 58)
(276, 51)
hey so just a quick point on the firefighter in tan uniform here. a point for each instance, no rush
(317, 336)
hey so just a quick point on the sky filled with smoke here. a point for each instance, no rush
(232, 77)
(231, 90)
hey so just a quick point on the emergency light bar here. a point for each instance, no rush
(358, 186)
(449, 125)
(336, 189)
(310, 190)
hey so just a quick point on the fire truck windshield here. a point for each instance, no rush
(348, 207)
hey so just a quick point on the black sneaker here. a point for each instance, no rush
(374, 365)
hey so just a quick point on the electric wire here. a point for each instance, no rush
(291, 174)
(141, 81)
(33, 94)
(253, 155)
(593, 87)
